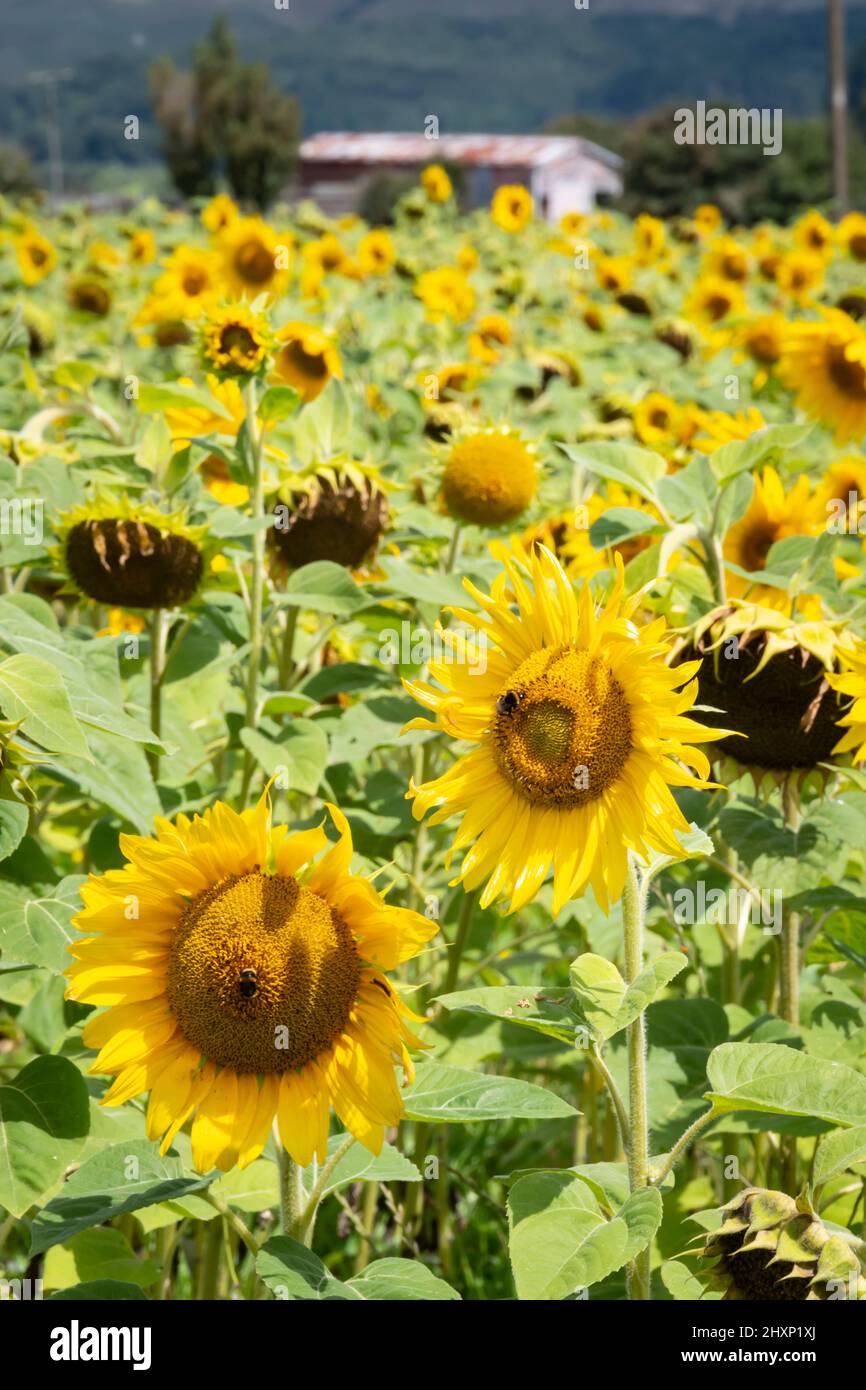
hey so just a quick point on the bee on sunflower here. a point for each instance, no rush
(580, 728)
(249, 986)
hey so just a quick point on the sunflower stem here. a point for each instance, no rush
(257, 582)
(287, 647)
(453, 548)
(293, 1198)
(311, 1204)
(633, 910)
(158, 645)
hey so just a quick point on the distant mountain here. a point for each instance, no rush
(498, 65)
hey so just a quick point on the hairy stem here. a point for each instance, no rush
(633, 910)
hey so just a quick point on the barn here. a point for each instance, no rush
(564, 173)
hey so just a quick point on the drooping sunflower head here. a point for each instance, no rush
(127, 554)
(679, 335)
(248, 984)
(305, 358)
(255, 260)
(824, 362)
(90, 294)
(492, 333)
(235, 341)
(772, 679)
(771, 1247)
(776, 510)
(336, 511)
(579, 728)
(490, 478)
(511, 207)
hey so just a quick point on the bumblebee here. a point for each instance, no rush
(510, 701)
(248, 983)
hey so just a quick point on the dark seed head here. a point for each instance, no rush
(132, 564)
(342, 525)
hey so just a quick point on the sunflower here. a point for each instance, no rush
(814, 233)
(220, 213)
(35, 255)
(707, 218)
(127, 554)
(305, 358)
(824, 362)
(191, 280)
(490, 478)
(844, 482)
(235, 340)
(614, 273)
(851, 681)
(580, 730)
(712, 299)
(255, 261)
(436, 183)
(142, 247)
(448, 382)
(492, 332)
(762, 339)
(770, 676)
(649, 237)
(656, 419)
(376, 252)
(573, 224)
(728, 260)
(445, 293)
(511, 207)
(90, 294)
(326, 255)
(250, 987)
(852, 235)
(225, 418)
(776, 510)
(713, 428)
(800, 274)
(336, 512)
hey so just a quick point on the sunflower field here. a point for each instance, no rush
(432, 743)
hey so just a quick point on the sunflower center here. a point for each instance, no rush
(756, 546)
(262, 973)
(717, 305)
(849, 376)
(194, 281)
(238, 341)
(306, 364)
(254, 263)
(562, 731)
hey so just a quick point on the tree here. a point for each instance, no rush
(225, 119)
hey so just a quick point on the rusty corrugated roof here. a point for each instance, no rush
(361, 147)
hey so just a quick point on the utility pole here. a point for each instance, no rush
(838, 84)
(48, 79)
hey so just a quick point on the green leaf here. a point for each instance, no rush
(301, 753)
(401, 1280)
(99, 1291)
(606, 1003)
(32, 692)
(777, 1080)
(559, 1240)
(278, 403)
(13, 826)
(124, 1177)
(324, 587)
(44, 1119)
(837, 1151)
(542, 1010)
(103, 1253)
(358, 1165)
(742, 455)
(450, 1095)
(638, 469)
(291, 1272)
(618, 524)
